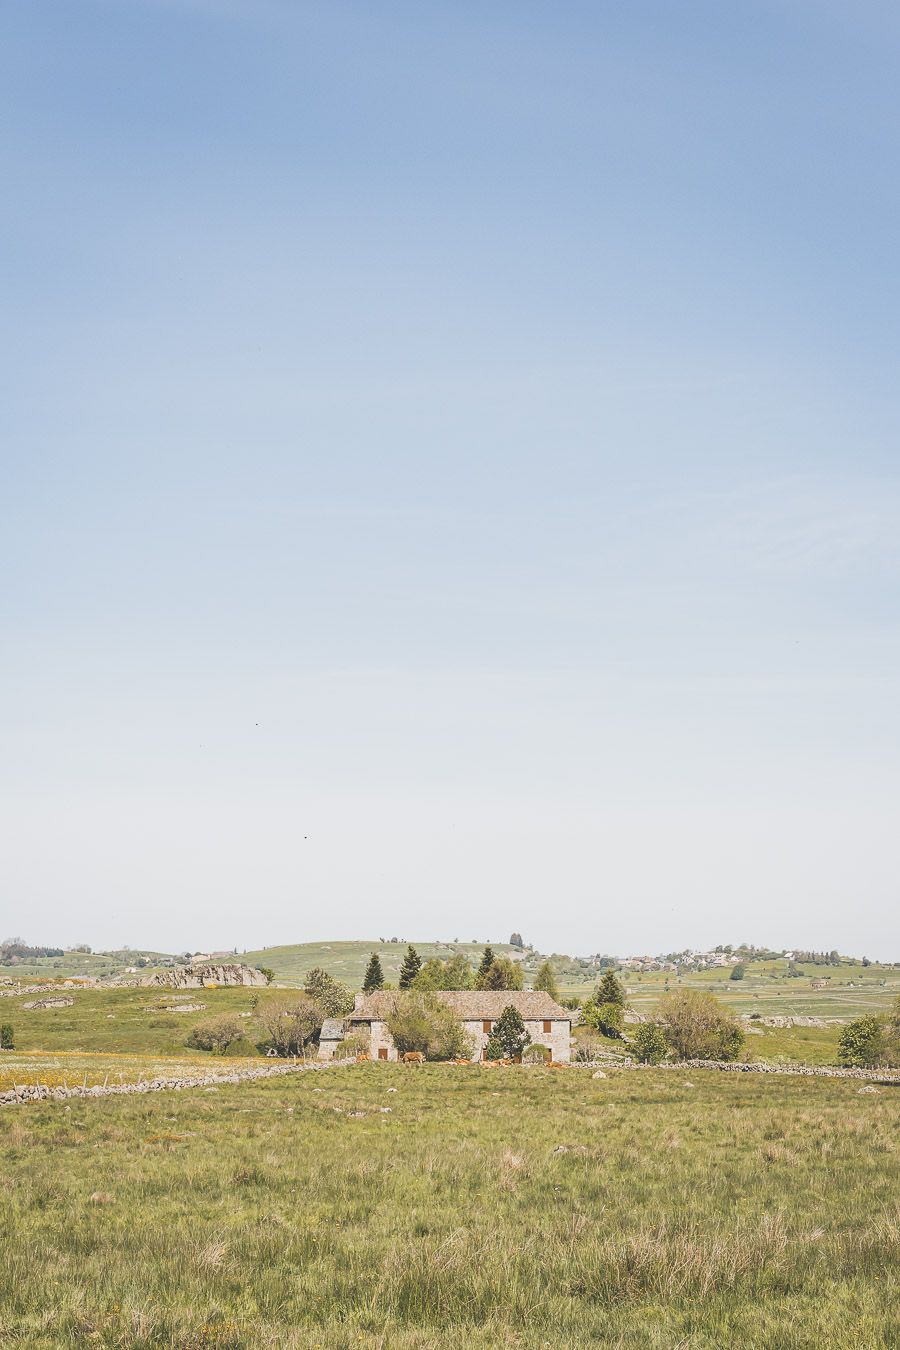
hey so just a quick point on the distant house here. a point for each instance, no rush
(545, 1021)
(330, 1037)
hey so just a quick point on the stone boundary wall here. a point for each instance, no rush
(38, 1092)
(802, 1070)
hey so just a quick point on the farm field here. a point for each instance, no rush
(78, 1069)
(346, 961)
(144, 1021)
(465, 1207)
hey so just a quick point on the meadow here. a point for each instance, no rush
(383, 1206)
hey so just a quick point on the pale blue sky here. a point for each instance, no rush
(497, 404)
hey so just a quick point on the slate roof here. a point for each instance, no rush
(470, 1005)
(332, 1029)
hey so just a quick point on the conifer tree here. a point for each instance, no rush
(412, 964)
(487, 960)
(610, 990)
(546, 979)
(374, 976)
(509, 1033)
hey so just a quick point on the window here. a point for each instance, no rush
(486, 1027)
(382, 1052)
(548, 1027)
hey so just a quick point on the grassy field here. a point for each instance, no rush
(851, 990)
(467, 1208)
(347, 961)
(136, 1021)
(123, 1021)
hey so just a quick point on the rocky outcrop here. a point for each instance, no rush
(202, 976)
(56, 1002)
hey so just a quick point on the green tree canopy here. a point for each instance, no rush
(508, 1035)
(698, 1026)
(610, 989)
(503, 974)
(484, 965)
(421, 1022)
(374, 976)
(546, 979)
(412, 964)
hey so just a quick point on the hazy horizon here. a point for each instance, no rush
(449, 478)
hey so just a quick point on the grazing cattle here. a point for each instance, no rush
(413, 1057)
(363, 1059)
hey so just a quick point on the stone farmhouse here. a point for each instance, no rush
(545, 1021)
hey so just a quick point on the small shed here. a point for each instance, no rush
(330, 1037)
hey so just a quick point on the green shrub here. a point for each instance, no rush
(536, 1054)
(649, 1043)
(291, 1023)
(216, 1033)
(698, 1026)
(420, 1022)
(607, 1018)
(7, 1036)
(864, 1044)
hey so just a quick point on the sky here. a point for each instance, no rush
(449, 473)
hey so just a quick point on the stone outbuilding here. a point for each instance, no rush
(545, 1021)
(330, 1037)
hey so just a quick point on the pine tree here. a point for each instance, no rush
(374, 977)
(412, 964)
(503, 974)
(546, 979)
(487, 960)
(610, 990)
(509, 1033)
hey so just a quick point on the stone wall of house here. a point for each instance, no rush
(556, 1040)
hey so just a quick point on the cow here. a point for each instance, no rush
(413, 1057)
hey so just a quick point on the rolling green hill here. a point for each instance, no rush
(346, 961)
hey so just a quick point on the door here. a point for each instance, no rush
(382, 1052)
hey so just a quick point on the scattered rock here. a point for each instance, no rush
(870, 1087)
(598, 1073)
(101, 1198)
(57, 1001)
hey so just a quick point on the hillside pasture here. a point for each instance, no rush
(455, 1207)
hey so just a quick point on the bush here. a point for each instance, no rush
(7, 1037)
(216, 1033)
(607, 1018)
(357, 1043)
(420, 1022)
(698, 1026)
(649, 1043)
(334, 998)
(268, 972)
(588, 1049)
(535, 1054)
(291, 1023)
(738, 972)
(864, 1044)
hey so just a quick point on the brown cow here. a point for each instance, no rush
(413, 1057)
